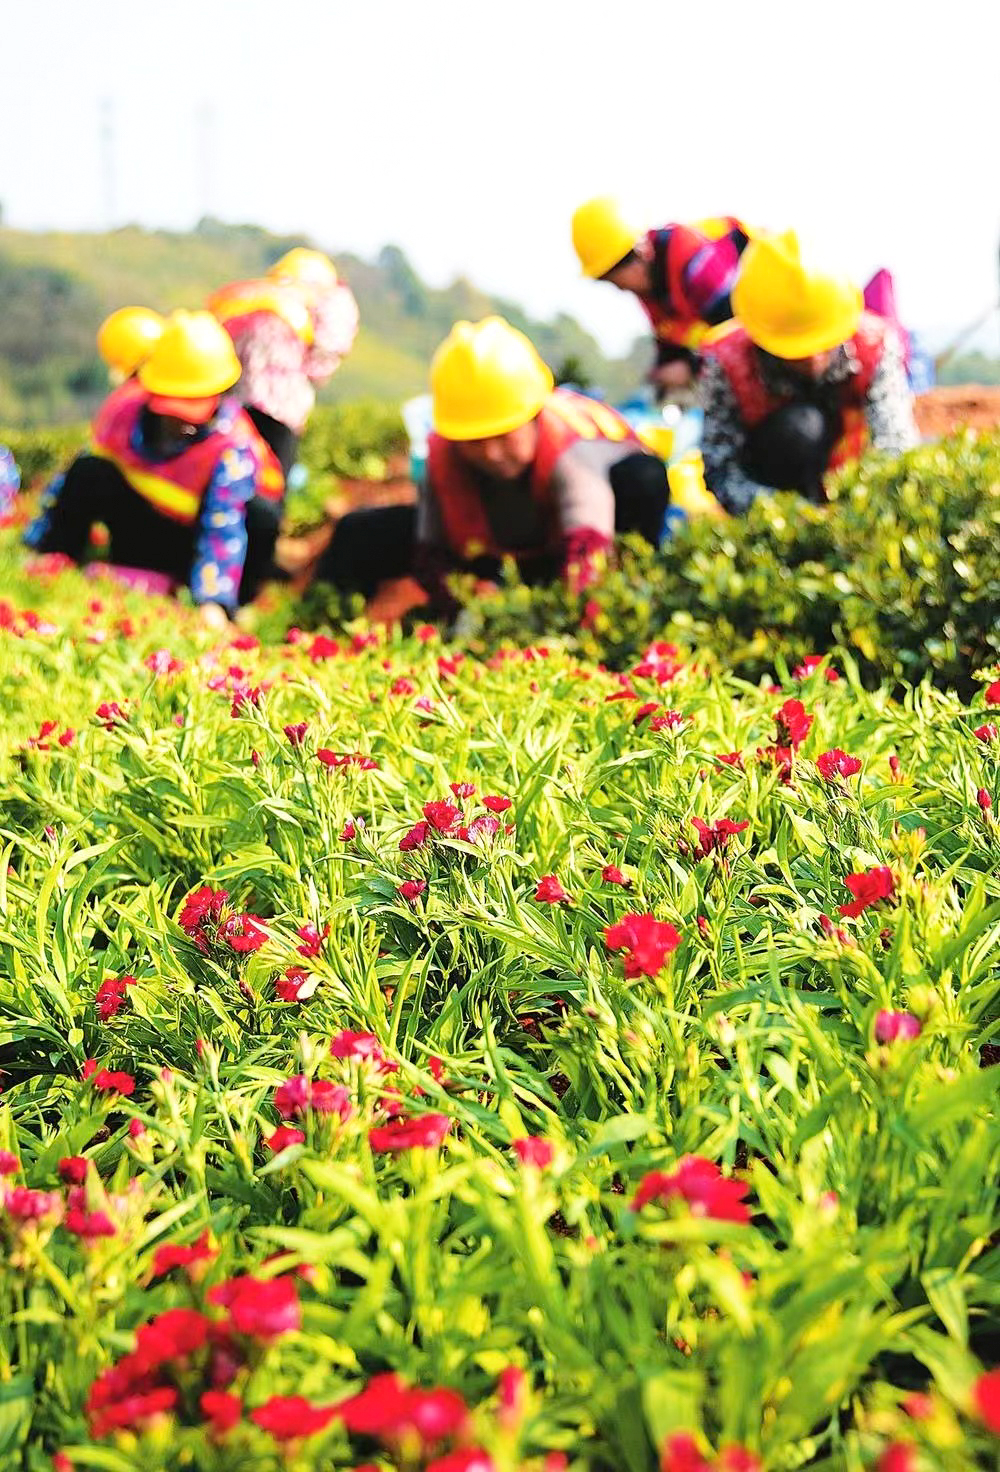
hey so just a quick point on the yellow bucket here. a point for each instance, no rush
(688, 490)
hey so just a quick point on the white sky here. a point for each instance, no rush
(467, 132)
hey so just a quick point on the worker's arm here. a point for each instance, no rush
(889, 406)
(723, 443)
(432, 557)
(221, 541)
(585, 506)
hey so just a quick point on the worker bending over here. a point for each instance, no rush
(682, 274)
(803, 382)
(177, 472)
(515, 468)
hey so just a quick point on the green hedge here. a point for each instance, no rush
(902, 569)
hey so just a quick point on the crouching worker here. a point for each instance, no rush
(176, 471)
(802, 383)
(515, 468)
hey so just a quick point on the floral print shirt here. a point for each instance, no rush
(888, 410)
(280, 371)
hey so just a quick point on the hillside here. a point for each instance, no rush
(56, 287)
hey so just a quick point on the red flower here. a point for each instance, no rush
(25, 1205)
(986, 732)
(172, 1255)
(171, 1336)
(222, 1410)
(482, 828)
(114, 1083)
(110, 714)
(284, 1136)
(701, 1184)
(534, 1150)
(289, 1417)
(497, 804)
(868, 889)
(738, 1458)
(9, 1164)
(792, 724)
(468, 1459)
(411, 889)
(462, 790)
(388, 1410)
(715, 835)
(350, 829)
(894, 772)
(89, 1224)
(297, 734)
(442, 816)
(245, 698)
(328, 1098)
(646, 941)
(778, 756)
(644, 710)
(680, 1454)
(298, 1094)
(312, 939)
(415, 838)
(136, 1129)
(986, 1399)
(984, 800)
(362, 1047)
(73, 1169)
(731, 759)
(891, 1027)
(919, 1406)
(90, 1067)
(898, 1456)
(68, 736)
(611, 874)
(836, 763)
(202, 905)
(322, 647)
(418, 1132)
(259, 1308)
(549, 890)
(296, 985)
(993, 693)
(243, 933)
(110, 997)
(132, 1410)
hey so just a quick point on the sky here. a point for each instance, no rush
(467, 132)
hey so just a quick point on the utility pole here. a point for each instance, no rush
(107, 137)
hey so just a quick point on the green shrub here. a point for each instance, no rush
(355, 439)
(41, 452)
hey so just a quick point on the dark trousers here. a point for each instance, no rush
(282, 440)
(791, 448)
(94, 490)
(376, 544)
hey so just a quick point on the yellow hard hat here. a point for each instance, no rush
(308, 267)
(194, 359)
(601, 235)
(127, 337)
(787, 309)
(486, 379)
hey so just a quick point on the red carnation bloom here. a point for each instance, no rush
(243, 933)
(322, 647)
(680, 1454)
(417, 1132)
(534, 1150)
(738, 1458)
(468, 1459)
(442, 816)
(411, 889)
(898, 1456)
(172, 1255)
(296, 985)
(222, 1410)
(89, 1224)
(290, 1417)
(715, 836)
(611, 874)
(114, 1083)
(837, 763)
(110, 714)
(497, 804)
(9, 1164)
(110, 996)
(284, 1136)
(701, 1184)
(986, 732)
(549, 890)
(328, 1098)
(297, 734)
(868, 889)
(132, 1410)
(780, 757)
(984, 800)
(259, 1308)
(362, 1047)
(312, 940)
(986, 1399)
(891, 1027)
(350, 829)
(462, 790)
(201, 905)
(993, 693)
(292, 1097)
(73, 1169)
(388, 1410)
(646, 941)
(171, 1336)
(415, 838)
(25, 1205)
(731, 759)
(792, 724)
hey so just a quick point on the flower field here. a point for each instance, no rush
(415, 1061)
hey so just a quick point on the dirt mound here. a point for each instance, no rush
(941, 411)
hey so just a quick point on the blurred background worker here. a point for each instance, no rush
(802, 382)
(682, 274)
(179, 475)
(515, 468)
(291, 329)
(126, 339)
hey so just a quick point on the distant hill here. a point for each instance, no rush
(56, 287)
